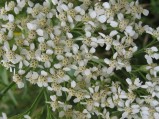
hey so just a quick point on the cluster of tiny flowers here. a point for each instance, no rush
(57, 44)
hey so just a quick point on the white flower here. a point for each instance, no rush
(20, 5)
(133, 85)
(108, 39)
(136, 10)
(65, 110)
(130, 31)
(57, 88)
(112, 65)
(152, 52)
(129, 109)
(153, 69)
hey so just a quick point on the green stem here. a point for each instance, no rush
(6, 90)
(142, 76)
(48, 108)
(35, 102)
(99, 61)
(77, 33)
(141, 50)
(78, 29)
(20, 116)
(120, 80)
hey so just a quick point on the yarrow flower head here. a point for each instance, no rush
(85, 53)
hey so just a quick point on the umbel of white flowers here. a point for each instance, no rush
(55, 44)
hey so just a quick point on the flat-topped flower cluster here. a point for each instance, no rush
(57, 45)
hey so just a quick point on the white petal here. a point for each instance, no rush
(92, 50)
(10, 34)
(108, 47)
(21, 72)
(44, 73)
(49, 88)
(57, 66)
(103, 35)
(93, 14)
(32, 46)
(61, 114)
(76, 100)
(129, 81)
(11, 17)
(73, 84)
(102, 18)
(128, 68)
(115, 55)
(69, 35)
(156, 68)
(64, 7)
(120, 16)
(88, 34)
(31, 26)
(145, 12)
(107, 61)
(59, 57)
(149, 59)
(125, 114)
(113, 33)
(59, 93)
(106, 5)
(49, 52)
(34, 75)
(64, 89)
(16, 10)
(20, 84)
(49, 15)
(14, 47)
(87, 72)
(154, 103)
(53, 98)
(27, 117)
(96, 104)
(41, 39)
(78, 17)
(130, 31)
(70, 19)
(4, 116)
(96, 88)
(91, 90)
(114, 23)
(110, 69)
(154, 48)
(77, 8)
(54, 2)
(47, 64)
(137, 82)
(40, 32)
